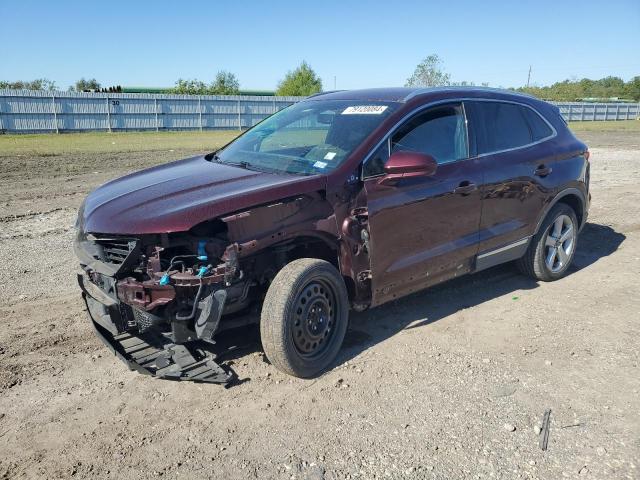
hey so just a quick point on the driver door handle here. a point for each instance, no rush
(465, 188)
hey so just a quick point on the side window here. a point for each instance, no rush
(539, 128)
(503, 126)
(375, 164)
(440, 132)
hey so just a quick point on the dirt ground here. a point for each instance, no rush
(448, 383)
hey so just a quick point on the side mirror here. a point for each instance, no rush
(406, 165)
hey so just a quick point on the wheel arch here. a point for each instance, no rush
(572, 197)
(312, 245)
(323, 246)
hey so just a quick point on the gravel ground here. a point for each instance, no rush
(447, 383)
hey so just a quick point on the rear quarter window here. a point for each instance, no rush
(539, 128)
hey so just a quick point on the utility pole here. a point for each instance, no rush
(529, 76)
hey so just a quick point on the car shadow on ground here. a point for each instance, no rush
(423, 308)
(428, 306)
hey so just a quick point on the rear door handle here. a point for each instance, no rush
(542, 170)
(465, 188)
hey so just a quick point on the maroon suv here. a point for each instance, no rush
(345, 200)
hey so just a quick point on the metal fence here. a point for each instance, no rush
(596, 112)
(36, 111)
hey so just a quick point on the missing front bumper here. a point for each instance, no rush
(149, 353)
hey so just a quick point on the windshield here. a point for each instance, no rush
(307, 138)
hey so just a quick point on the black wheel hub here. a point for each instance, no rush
(314, 318)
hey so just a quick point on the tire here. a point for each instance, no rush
(558, 233)
(304, 317)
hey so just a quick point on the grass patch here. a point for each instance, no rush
(50, 144)
(47, 144)
(608, 126)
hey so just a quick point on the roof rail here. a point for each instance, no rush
(421, 91)
(325, 93)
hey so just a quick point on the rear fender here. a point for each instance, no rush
(575, 192)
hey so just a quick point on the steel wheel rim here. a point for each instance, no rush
(559, 243)
(314, 318)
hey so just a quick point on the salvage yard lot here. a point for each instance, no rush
(447, 383)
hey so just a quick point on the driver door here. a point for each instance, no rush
(423, 230)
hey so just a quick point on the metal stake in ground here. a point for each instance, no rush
(544, 433)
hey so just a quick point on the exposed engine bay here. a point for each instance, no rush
(180, 289)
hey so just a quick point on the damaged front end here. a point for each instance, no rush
(154, 300)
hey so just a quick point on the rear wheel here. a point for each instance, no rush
(552, 249)
(304, 317)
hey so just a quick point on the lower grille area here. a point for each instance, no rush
(114, 249)
(146, 320)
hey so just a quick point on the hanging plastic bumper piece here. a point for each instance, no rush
(152, 353)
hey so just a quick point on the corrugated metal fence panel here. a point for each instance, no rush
(34, 111)
(585, 112)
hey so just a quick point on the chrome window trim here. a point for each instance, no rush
(462, 101)
(554, 132)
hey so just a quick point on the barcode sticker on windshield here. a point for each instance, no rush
(320, 164)
(364, 110)
(330, 156)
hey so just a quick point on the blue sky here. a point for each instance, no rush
(362, 44)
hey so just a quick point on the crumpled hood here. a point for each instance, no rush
(177, 196)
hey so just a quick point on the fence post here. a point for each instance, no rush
(108, 114)
(569, 114)
(606, 111)
(55, 112)
(155, 109)
(200, 112)
(239, 116)
(1, 124)
(274, 105)
(582, 112)
(617, 112)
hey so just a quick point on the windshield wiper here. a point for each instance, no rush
(245, 165)
(216, 158)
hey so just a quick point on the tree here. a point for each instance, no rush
(37, 84)
(572, 90)
(84, 85)
(190, 87)
(226, 83)
(632, 89)
(302, 82)
(429, 73)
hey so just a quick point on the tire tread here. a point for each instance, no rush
(278, 302)
(532, 263)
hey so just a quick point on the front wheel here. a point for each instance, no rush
(552, 249)
(304, 317)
